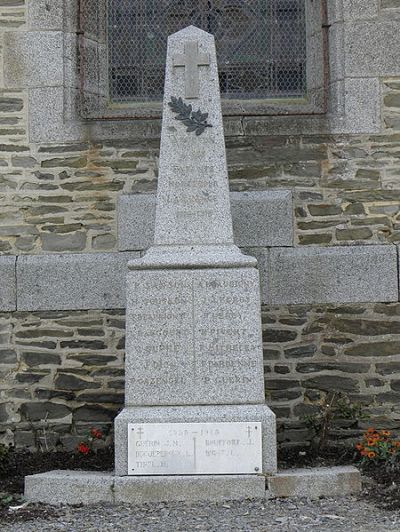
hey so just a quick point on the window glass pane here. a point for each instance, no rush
(260, 45)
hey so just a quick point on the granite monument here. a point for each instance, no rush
(194, 343)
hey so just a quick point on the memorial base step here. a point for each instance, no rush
(315, 482)
(81, 487)
(85, 487)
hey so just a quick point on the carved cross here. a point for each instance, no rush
(191, 60)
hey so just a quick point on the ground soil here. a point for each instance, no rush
(310, 457)
(16, 465)
(381, 484)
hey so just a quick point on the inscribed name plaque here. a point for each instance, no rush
(194, 448)
(194, 337)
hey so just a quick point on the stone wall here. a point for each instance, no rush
(313, 350)
(62, 198)
(61, 372)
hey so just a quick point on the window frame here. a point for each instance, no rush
(95, 102)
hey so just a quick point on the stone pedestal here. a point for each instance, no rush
(197, 414)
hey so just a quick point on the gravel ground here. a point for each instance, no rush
(342, 514)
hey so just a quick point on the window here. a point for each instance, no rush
(271, 54)
(261, 45)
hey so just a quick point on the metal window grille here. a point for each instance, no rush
(261, 45)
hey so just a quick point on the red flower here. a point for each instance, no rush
(83, 448)
(97, 434)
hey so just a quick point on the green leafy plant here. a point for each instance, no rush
(9, 499)
(336, 406)
(6, 499)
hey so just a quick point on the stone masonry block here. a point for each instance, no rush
(315, 483)
(332, 275)
(360, 9)
(136, 221)
(377, 55)
(46, 116)
(262, 256)
(45, 15)
(69, 487)
(71, 63)
(71, 15)
(33, 59)
(335, 11)
(72, 281)
(7, 284)
(47, 107)
(260, 219)
(139, 490)
(336, 53)
(362, 105)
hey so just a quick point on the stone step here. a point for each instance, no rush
(85, 487)
(315, 482)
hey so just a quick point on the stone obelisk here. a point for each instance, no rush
(194, 343)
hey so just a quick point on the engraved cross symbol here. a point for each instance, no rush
(191, 60)
(140, 432)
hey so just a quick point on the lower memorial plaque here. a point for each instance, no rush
(194, 448)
